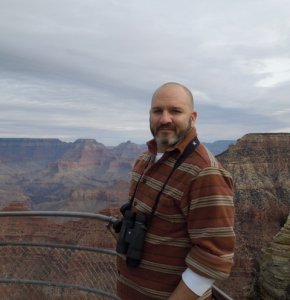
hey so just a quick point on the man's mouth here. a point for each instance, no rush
(165, 128)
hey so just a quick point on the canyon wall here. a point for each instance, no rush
(274, 267)
(47, 174)
(260, 166)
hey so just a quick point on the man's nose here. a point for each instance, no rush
(165, 118)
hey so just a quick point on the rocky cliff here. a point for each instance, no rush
(50, 174)
(260, 166)
(17, 152)
(274, 271)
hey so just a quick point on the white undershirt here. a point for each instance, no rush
(198, 284)
(158, 156)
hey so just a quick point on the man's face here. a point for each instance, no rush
(171, 116)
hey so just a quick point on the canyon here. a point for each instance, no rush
(87, 176)
(260, 167)
(48, 174)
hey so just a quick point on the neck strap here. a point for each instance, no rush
(187, 151)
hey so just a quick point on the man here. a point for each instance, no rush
(189, 240)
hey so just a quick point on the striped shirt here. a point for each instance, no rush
(192, 226)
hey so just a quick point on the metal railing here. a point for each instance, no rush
(56, 255)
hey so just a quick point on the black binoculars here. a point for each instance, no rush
(132, 230)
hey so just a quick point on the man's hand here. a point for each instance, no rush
(183, 292)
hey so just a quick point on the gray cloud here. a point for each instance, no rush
(75, 69)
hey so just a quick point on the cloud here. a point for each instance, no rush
(74, 69)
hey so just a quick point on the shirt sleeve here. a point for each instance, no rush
(210, 223)
(198, 284)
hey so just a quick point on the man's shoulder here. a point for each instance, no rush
(203, 158)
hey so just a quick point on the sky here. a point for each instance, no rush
(73, 69)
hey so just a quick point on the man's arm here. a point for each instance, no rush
(210, 223)
(183, 292)
(194, 283)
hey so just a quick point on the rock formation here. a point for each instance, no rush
(48, 174)
(274, 274)
(17, 151)
(260, 166)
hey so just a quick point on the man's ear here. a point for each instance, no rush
(193, 118)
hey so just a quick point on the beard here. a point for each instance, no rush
(166, 141)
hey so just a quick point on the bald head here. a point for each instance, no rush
(177, 86)
(171, 114)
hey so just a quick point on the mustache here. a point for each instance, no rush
(169, 127)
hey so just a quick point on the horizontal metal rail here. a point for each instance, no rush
(62, 246)
(66, 214)
(57, 284)
(218, 294)
(45, 282)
